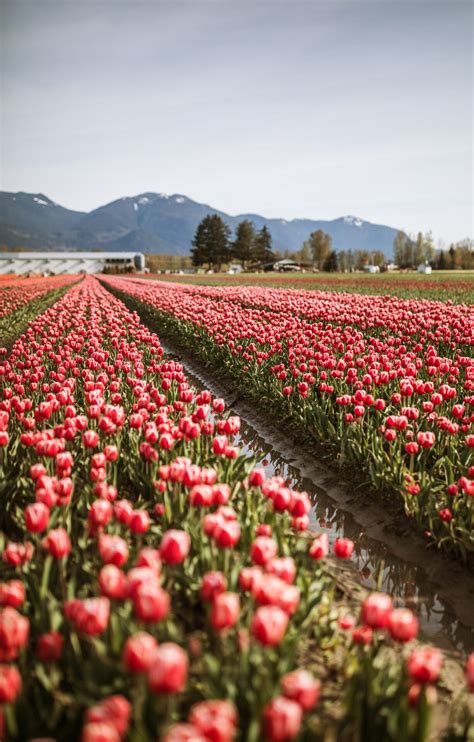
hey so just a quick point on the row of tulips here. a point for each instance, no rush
(155, 585)
(388, 382)
(457, 288)
(16, 293)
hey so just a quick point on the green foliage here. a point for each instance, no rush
(211, 244)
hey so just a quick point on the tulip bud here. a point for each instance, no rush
(49, 646)
(10, 683)
(402, 625)
(175, 546)
(269, 625)
(225, 610)
(36, 517)
(169, 669)
(58, 544)
(282, 719)
(376, 610)
(301, 687)
(138, 652)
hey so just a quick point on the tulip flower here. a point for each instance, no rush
(169, 669)
(175, 546)
(138, 652)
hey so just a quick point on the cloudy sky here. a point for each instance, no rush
(288, 108)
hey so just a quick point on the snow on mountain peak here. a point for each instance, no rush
(143, 200)
(179, 199)
(40, 201)
(354, 220)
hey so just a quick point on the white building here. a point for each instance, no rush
(424, 268)
(57, 263)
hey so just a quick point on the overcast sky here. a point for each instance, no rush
(286, 108)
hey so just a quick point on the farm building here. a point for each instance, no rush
(57, 263)
(424, 268)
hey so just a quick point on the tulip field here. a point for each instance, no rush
(156, 584)
(389, 382)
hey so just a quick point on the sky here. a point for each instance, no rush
(286, 108)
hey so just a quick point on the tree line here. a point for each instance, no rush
(213, 246)
(410, 252)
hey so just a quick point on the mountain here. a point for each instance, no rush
(159, 223)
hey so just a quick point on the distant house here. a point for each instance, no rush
(285, 265)
(371, 269)
(424, 268)
(235, 268)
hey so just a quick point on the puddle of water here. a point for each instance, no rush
(374, 566)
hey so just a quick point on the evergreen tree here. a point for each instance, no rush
(244, 244)
(211, 242)
(262, 250)
(331, 264)
(321, 245)
(441, 262)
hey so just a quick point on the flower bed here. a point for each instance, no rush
(154, 584)
(388, 382)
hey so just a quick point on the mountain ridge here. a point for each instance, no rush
(161, 223)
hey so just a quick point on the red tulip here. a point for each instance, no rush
(269, 625)
(343, 548)
(225, 610)
(90, 616)
(376, 610)
(49, 646)
(169, 669)
(36, 517)
(212, 584)
(402, 625)
(183, 732)
(113, 550)
(424, 664)
(263, 549)
(138, 652)
(114, 710)
(282, 719)
(151, 603)
(217, 720)
(12, 593)
(175, 546)
(113, 582)
(319, 547)
(58, 544)
(10, 683)
(301, 687)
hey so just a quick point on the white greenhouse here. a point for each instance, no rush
(59, 263)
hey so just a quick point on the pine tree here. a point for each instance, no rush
(244, 243)
(331, 264)
(211, 243)
(262, 250)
